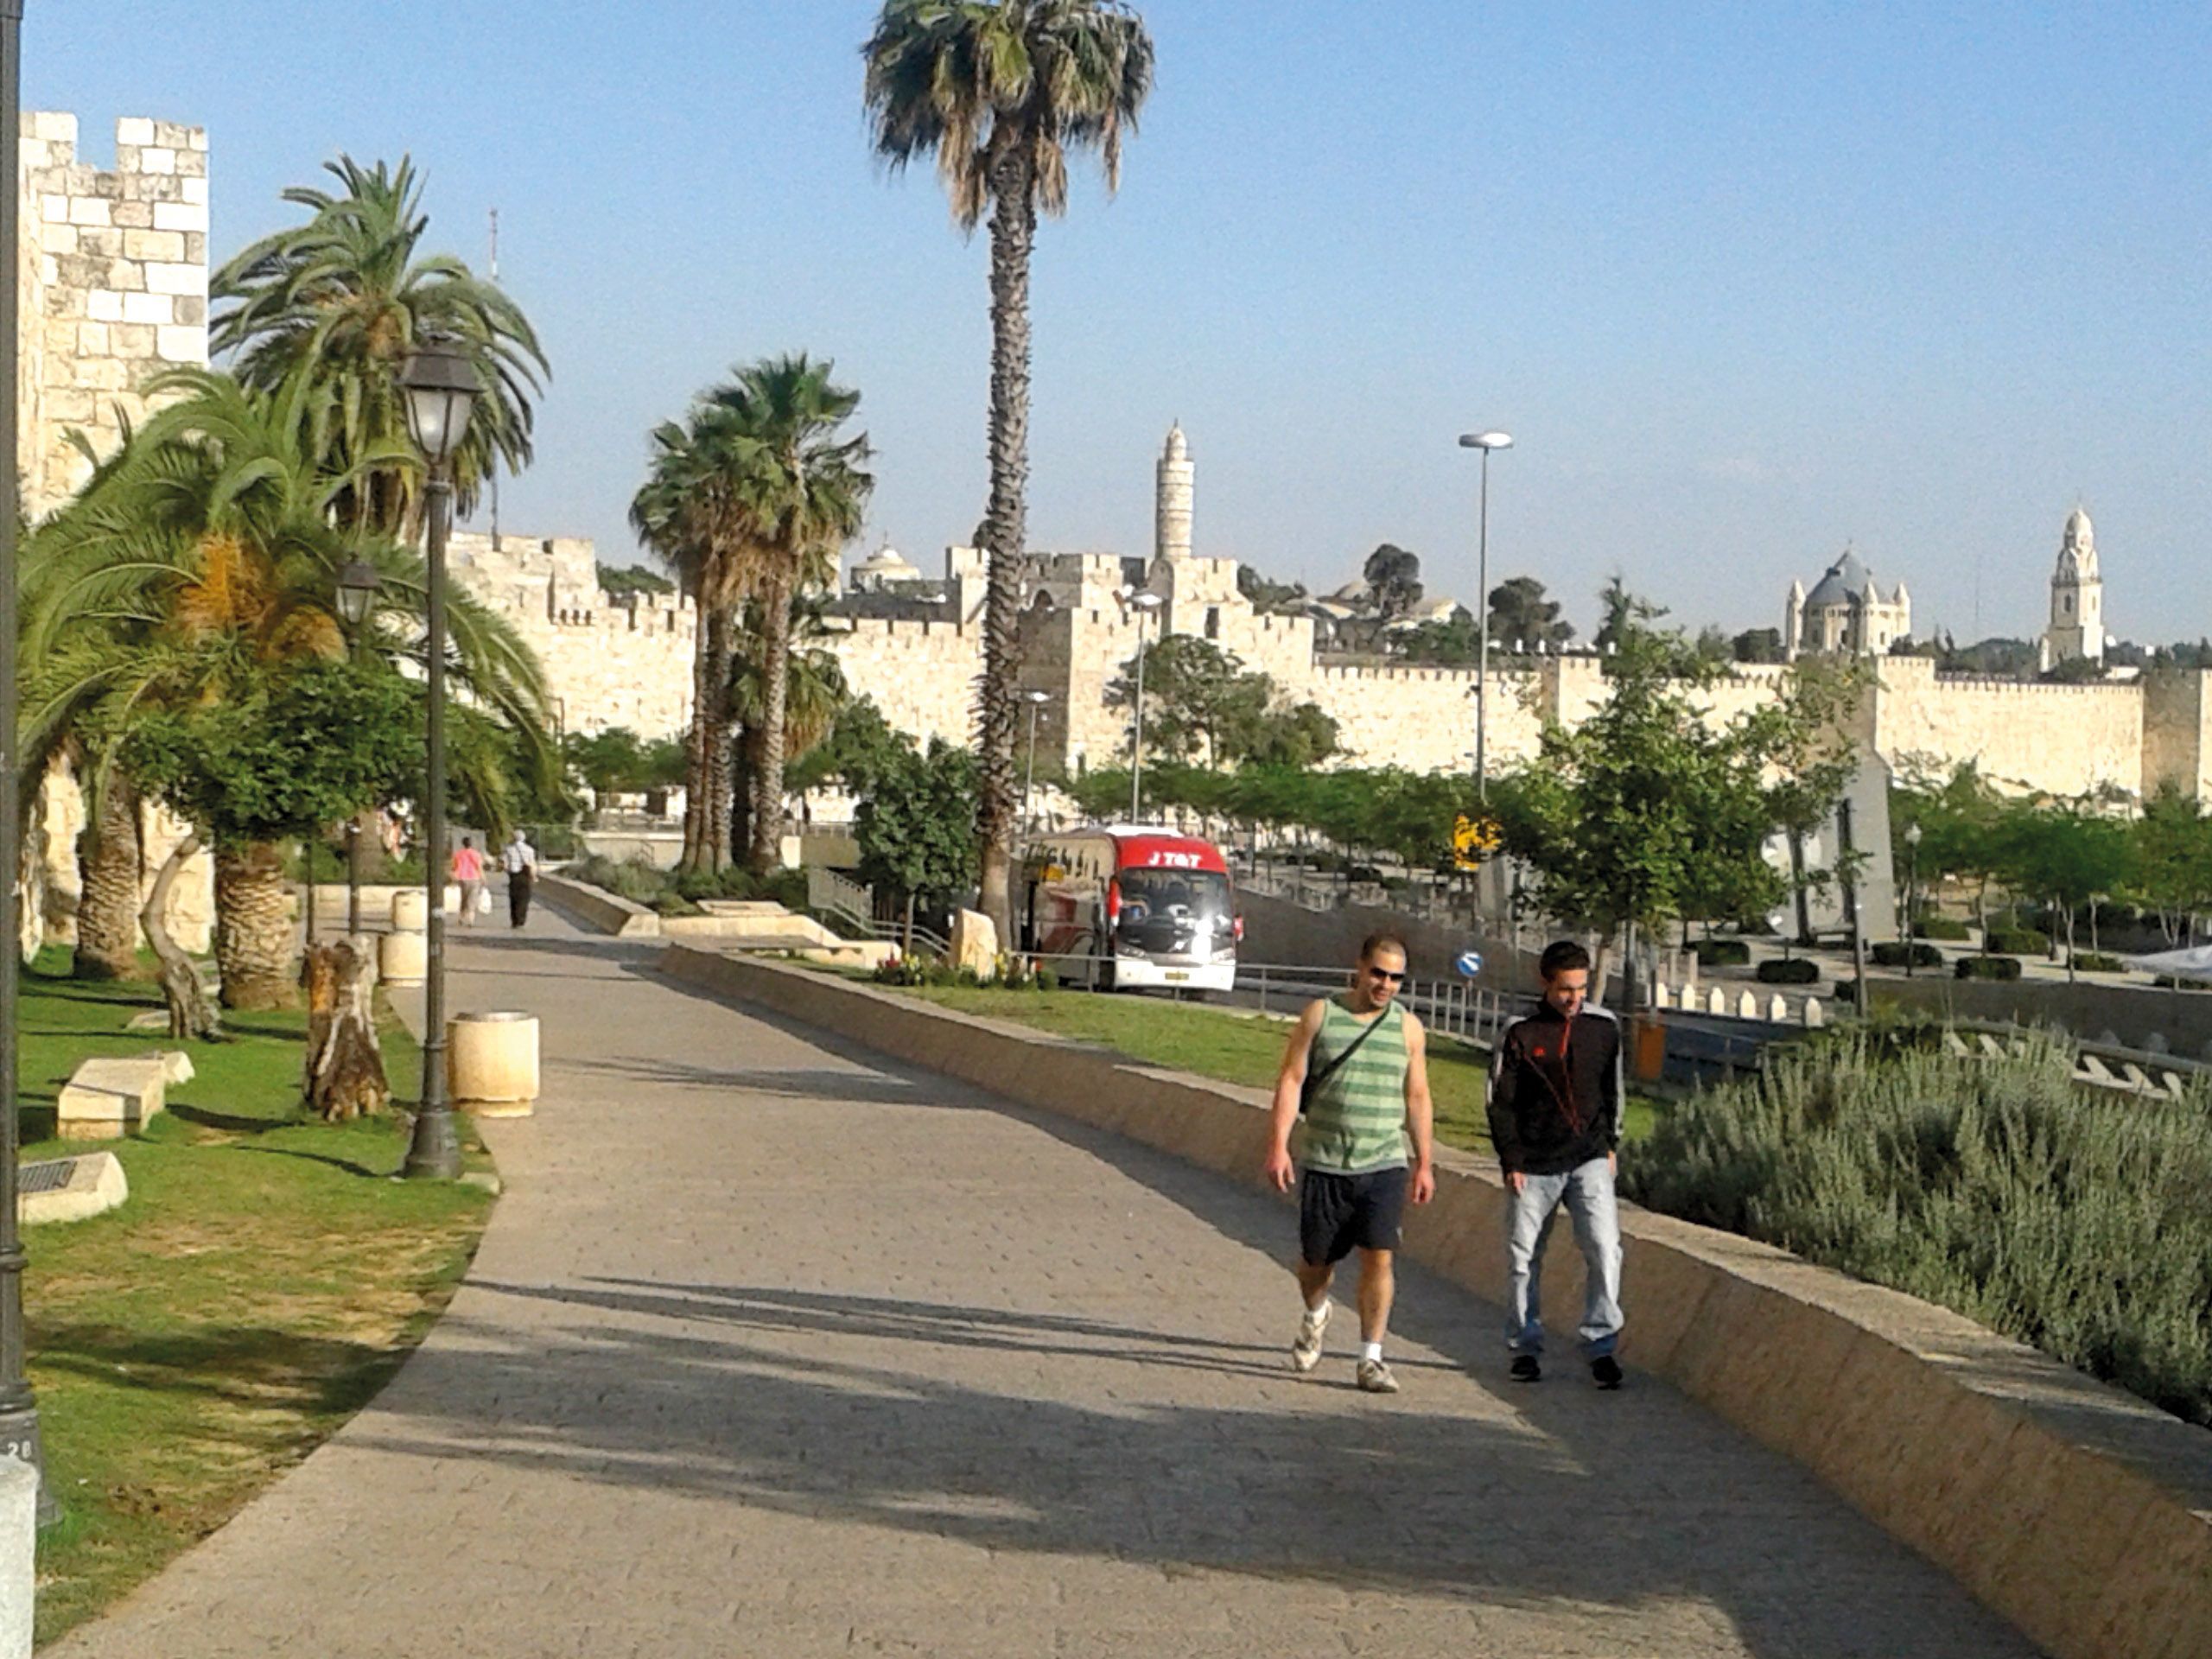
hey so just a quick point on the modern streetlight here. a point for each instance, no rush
(1036, 700)
(1911, 894)
(441, 388)
(1145, 605)
(1484, 442)
(19, 1432)
(357, 597)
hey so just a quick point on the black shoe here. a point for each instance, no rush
(1526, 1369)
(1606, 1371)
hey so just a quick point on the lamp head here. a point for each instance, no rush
(1486, 440)
(442, 389)
(357, 591)
(1037, 696)
(1147, 601)
(1912, 835)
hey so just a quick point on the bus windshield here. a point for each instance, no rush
(1175, 913)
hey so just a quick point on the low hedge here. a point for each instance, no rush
(1788, 970)
(1943, 927)
(2168, 982)
(1722, 953)
(1988, 968)
(2098, 962)
(2016, 941)
(1894, 953)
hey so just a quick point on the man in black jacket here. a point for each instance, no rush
(1555, 1120)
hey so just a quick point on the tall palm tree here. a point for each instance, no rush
(207, 555)
(815, 693)
(1000, 92)
(342, 300)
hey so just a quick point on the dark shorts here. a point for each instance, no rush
(1339, 1214)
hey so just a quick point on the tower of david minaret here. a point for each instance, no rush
(1177, 491)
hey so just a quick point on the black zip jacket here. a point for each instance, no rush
(1555, 1092)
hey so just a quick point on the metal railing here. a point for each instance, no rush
(1449, 1005)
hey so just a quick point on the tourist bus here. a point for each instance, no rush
(1129, 908)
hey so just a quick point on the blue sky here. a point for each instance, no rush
(1745, 283)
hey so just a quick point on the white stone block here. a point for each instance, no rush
(156, 308)
(89, 210)
(1718, 1004)
(136, 130)
(1747, 1006)
(1815, 1017)
(18, 1555)
(195, 191)
(59, 238)
(56, 126)
(54, 210)
(159, 246)
(181, 343)
(162, 278)
(186, 215)
(102, 306)
(96, 1184)
(1778, 1010)
(177, 1066)
(104, 1099)
(156, 160)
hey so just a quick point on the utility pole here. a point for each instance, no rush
(495, 459)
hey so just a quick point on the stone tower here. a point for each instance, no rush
(2077, 597)
(1177, 492)
(1793, 622)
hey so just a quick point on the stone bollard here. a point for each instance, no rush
(411, 910)
(18, 1554)
(1777, 1011)
(1660, 996)
(1815, 1018)
(491, 1064)
(1718, 1004)
(1747, 1006)
(403, 959)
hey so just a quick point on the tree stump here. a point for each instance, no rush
(345, 1063)
(192, 1016)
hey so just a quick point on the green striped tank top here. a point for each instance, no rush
(1356, 1120)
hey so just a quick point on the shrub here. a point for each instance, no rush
(1722, 953)
(1989, 1185)
(2167, 982)
(1846, 993)
(670, 903)
(1788, 970)
(1987, 968)
(1893, 953)
(2096, 961)
(2016, 941)
(1943, 927)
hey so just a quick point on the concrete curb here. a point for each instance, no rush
(18, 1551)
(596, 908)
(2076, 1512)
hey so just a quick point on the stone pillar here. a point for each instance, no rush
(1175, 498)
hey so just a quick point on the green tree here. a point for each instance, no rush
(814, 693)
(1804, 737)
(916, 824)
(609, 762)
(862, 744)
(1757, 645)
(2069, 853)
(1622, 613)
(1267, 595)
(622, 581)
(1522, 619)
(1393, 577)
(340, 301)
(1001, 92)
(2173, 861)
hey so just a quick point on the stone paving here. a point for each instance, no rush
(770, 1349)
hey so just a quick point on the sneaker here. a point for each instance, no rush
(1374, 1377)
(1305, 1352)
(1606, 1371)
(1526, 1368)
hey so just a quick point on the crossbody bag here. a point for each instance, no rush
(1315, 1079)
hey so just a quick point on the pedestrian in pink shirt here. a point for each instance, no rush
(469, 870)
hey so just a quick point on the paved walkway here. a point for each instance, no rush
(770, 1350)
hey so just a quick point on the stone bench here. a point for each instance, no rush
(69, 1189)
(105, 1099)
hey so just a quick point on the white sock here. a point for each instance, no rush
(1316, 1315)
(1370, 1351)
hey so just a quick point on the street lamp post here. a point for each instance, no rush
(1036, 700)
(357, 597)
(1145, 605)
(19, 1432)
(1484, 442)
(1911, 896)
(442, 386)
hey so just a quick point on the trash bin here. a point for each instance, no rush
(402, 959)
(411, 910)
(491, 1064)
(1647, 1048)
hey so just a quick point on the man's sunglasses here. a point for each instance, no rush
(1385, 974)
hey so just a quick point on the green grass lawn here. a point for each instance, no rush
(1235, 1047)
(260, 1284)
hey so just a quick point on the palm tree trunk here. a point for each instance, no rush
(768, 845)
(107, 864)
(253, 933)
(1005, 529)
(698, 776)
(744, 806)
(719, 765)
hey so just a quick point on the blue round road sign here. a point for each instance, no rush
(1469, 963)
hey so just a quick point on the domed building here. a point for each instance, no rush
(885, 571)
(1846, 613)
(2077, 597)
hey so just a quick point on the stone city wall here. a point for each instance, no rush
(922, 675)
(2060, 740)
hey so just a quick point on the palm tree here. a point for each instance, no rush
(342, 300)
(1000, 92)
(815, 694)
(207, 556)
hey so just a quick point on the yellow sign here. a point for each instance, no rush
(1475, 839)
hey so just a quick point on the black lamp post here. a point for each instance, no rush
(1911, 896)
(19, 1436)
(441, 387)
(357, 597)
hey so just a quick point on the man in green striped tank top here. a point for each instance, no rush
(1353, 1090)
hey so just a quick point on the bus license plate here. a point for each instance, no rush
(1176, 976)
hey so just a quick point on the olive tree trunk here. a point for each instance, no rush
(345, 1075)
(108, 860)
(253, 928)
(1006, 526)
(192, 1016)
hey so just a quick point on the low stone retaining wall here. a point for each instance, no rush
(598, 908)
(2076, 1512)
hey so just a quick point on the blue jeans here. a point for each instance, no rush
(1588, 1191)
